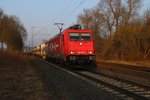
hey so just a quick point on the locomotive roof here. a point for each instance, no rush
(55, 36)
(70, 29)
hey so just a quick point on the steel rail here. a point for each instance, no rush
(128, 90)
(121, 89)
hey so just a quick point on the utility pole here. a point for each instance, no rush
(60, 26)
(32, 35)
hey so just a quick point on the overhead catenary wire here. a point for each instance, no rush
(68, 15)
(40, 30)
(72, 11)
(62, 11)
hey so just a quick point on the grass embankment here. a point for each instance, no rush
(18, 79)
(145, 63)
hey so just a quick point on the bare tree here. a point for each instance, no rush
(12, 32)
(93, 19)
(118, 12)
(145, 37)
(129, 37)
(126, 42)
(118, 15)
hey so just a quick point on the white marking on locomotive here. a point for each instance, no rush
(53, 46)
(81, 43)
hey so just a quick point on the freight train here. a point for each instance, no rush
(72, 46)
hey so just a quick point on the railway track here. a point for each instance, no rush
(140, 68)
(122, 89)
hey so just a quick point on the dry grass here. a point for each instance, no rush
(18, 79)
(132, 63)
(145, 63)
(13, 56)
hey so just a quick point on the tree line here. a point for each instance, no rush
(120, 31)
(12, 32)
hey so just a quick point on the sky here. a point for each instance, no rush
(42, 14)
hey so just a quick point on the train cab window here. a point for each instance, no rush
(74, 36)
(85, 36)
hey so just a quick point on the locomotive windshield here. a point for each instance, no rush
(85, 36)
(80, 36)
(74, 36)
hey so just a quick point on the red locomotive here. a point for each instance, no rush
(73, 45)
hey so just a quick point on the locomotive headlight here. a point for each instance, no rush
(91, 57)
(72, 52)
(90, 52)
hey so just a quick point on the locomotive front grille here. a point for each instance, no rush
(77, 58)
